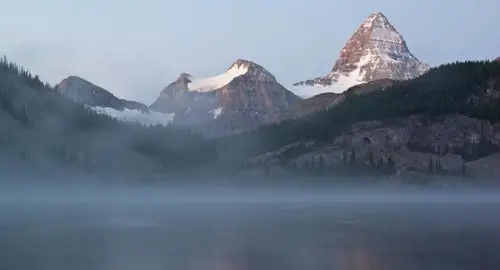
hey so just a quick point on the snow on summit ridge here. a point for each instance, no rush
(218, 81)
(237, 68)
(242, 98)
(375, 51)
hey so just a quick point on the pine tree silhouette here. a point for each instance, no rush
(431, 166)
(371, 159)
(352, 161)
(380, 163)
(390, 164)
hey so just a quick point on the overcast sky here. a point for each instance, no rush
(135, 48)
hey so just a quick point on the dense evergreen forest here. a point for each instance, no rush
(42, 130)
(466, 88)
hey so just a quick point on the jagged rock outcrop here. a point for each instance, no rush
(244, 97)
(375, 51)
(85, 92)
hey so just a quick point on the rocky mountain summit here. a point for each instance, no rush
(242, 98)
(85, 92)
(375, 51)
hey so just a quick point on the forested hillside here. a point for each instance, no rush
(43, 131)
(467, 89)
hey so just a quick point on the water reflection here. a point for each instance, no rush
(232, 236)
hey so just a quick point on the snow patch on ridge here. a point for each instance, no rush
(341, 82)
(216, 82)
(127, 115)
(307, 91)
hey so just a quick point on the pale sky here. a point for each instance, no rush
(135, 48)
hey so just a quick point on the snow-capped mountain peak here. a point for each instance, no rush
(218, 81)
(244, 97)
(242, 63)
(377, 19)
(238, 68)
(254, 70)
(249, 65)
(375, 51)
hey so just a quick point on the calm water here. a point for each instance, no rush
(357, 232)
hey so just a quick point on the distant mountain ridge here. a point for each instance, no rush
(375, 51)
(246, 95)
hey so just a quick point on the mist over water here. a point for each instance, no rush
(226, 227)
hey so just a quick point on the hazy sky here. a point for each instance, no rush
(135, 48)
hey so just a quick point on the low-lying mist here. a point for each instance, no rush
(91, 225)
(223, 192)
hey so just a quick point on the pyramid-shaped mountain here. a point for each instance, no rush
(375, 51)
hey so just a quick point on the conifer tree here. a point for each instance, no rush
(352, 161)
(431, 166)
(371, 159)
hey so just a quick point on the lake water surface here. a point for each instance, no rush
(179, 230)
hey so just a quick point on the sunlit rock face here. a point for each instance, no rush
(375, 51)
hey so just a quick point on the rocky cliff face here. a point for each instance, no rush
(244, 97)
(83, 91)
(415, 147)
(375, 51)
